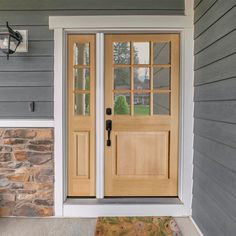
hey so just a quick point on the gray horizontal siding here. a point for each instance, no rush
(219, 29)
(21, 110)
(28, 76)
(212, 13)
(216, 131)
(18, 94)
(220, 70)
(26, 64)
(212, 186)
(92, 4)
(224, 111)
(36, 49)
(214, 179)
(216, 91)
(26, 79)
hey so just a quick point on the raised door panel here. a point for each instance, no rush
(142, 154)
(81, 155)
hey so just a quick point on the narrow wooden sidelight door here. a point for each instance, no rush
(142, 115)
(81, 115)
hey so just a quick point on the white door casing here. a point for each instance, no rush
(141, 24)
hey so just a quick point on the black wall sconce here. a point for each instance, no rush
(9, 40)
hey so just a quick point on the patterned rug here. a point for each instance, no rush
(137, 226)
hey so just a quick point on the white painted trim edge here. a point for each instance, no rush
(25, 123)
(99, 115)
(135, 21)
(58, 116)
(196, 226)
(189, 8)
(92, 211)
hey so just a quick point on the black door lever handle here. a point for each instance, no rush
(108, 129)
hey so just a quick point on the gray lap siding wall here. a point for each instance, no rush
(214, 178)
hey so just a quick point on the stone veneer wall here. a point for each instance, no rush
(26, 172)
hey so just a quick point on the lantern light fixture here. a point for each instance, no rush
(9, 40)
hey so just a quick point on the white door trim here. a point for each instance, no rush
(100, 24)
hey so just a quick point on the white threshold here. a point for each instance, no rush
(99, 25)
(115, 207)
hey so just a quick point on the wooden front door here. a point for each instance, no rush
(142, 115)
(81, 115)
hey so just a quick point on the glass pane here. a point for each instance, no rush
(81, 54)
(122, 104)
(121, 53)
(141, 53)
(141, 104)
(161, 104)
(141, 78)
(161, 78)
(82, 79)
(161, 53)
(122, 78)
(82, 106)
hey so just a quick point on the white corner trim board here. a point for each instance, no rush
(99, 25)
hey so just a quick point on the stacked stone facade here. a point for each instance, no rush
(26, 172)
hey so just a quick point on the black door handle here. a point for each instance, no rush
(108, 129)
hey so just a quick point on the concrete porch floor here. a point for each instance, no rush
(67, 227)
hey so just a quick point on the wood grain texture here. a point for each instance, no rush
(135, 178)
(81, 145)
(142, 153)
(80, 128)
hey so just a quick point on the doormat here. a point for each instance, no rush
(137, 226)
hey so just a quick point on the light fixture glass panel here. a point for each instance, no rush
(121, 52)
(161, 78)
(161, 103)
(81, 54)
(141, 104)
(141, 52)
(122, 103)
(121, 78)
(81, 79)
(141, 78)
(82, 104)
(161, 53)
